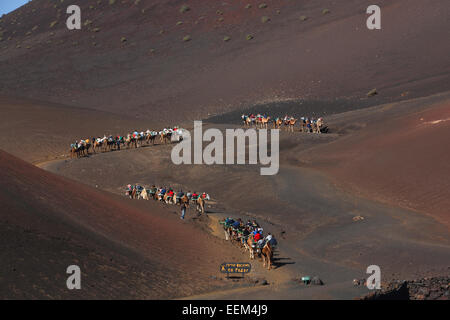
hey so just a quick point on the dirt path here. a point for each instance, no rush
(322, 229)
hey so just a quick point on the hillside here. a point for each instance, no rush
(48, 223)
(130, 57)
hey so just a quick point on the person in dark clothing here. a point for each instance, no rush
(179, 195)
(118, 143)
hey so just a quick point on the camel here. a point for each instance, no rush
(277, 123)
(249, 121)
(292, 124)
(74, 152)
(87, 146)
(162, 138)
(112, 143)
(79, 149)
(168, 199)
(267, 255)
(286, 124)
(139, 140)
(201, 203)
(251, 245)
(302, 125)
(97, 145)
(264, 122)
(246, 119)
(105, 145)
(227, 233)
(151, 138)
(154, 193)
(319, 125)
(130, 140)
(143, 194)
(134, 193)
(257, 122)
(227, 230)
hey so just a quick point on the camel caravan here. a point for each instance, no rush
(168, 196)
(261, 121)
(131, 140)
(249, 236)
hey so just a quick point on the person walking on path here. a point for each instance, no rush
(183, 208)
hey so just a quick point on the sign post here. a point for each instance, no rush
(235, 267)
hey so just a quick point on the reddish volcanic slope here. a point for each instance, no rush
(404, 160)
(37, 131)
(48, 223)
(130, 56)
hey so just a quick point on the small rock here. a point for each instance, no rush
(372, 93)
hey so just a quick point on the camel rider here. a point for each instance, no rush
(260, 243)
(129, 190)
(189, 195)
(195, 196)
(245, 235)
(180, 194)
(229, 221)
(271, 240)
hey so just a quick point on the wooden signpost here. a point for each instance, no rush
(235, 267)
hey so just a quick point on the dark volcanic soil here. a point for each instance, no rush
(400, 157)
(154, 74)
(312, 215)
(373, 191)
(124, 251)
(38, 131)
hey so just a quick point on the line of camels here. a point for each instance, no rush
(288, 123)
(168, 196)
(245, 235)
(250, 237)
(135, 139)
